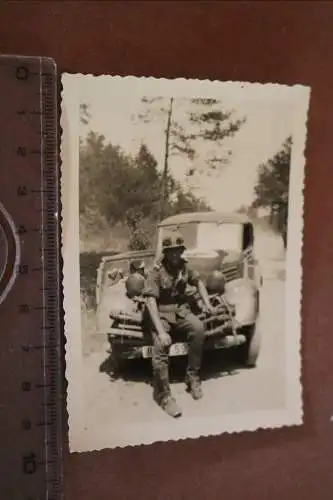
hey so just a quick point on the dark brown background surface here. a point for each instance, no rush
(250, 41)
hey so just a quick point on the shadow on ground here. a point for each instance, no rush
(216, 364)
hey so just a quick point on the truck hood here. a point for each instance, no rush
(130, 255)
(113, 300)
(114, 296)
(120, 261)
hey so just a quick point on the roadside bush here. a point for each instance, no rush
(89, 262)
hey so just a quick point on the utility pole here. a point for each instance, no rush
(164, 192)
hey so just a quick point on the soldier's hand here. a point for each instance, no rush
(208, 310)
(165, 339)
(213, 311)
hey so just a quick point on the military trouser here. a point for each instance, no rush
(194, 330)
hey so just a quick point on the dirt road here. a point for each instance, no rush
(226, 389)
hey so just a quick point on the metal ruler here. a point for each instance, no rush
(30, 349)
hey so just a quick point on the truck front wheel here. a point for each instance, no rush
(116, 361)
(248, 352)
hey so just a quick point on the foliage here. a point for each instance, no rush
(120, 190)
(215, 124)
(205, 121)
(272, 187)
(120, 200)
(84, 114)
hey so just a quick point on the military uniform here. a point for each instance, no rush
(170, 292)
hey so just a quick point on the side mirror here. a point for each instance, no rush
(112, 275)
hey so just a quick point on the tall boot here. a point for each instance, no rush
(193, 384)
(162, 392)
(192, 379)
(195, 352)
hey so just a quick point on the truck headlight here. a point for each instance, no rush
(242, 295)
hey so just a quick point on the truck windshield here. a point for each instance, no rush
(211, 235)
(214, 236)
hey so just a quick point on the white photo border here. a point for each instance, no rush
(80, 439)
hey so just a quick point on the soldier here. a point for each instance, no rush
(168, 307)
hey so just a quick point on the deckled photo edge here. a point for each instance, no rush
(70, 250)
(293, 296)
(70, 255)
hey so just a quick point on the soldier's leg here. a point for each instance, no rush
(160, 364)
(194, 329)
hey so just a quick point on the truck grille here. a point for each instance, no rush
(232, 271)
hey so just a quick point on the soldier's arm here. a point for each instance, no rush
(155, 317)
(204, 295)
(194, 279)
(151, 293)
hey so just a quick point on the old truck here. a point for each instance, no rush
(214, 242)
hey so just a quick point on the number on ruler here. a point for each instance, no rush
(26, 386)
(23, 269)
(26, 348)
(24, 309)
(29, 463)
(26, 425)
(21, 151)
(22, 191)
(22, 73)
(21, 229)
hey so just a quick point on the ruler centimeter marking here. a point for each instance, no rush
(35, 294)
(49, 197)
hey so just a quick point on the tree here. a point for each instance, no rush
(205, 122)
(148, 182)
(272, 188)
(84, 113)
(120, 190)
(184, 201)
(215, 125)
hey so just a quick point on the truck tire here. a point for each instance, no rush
(248, 352)
(117, 363)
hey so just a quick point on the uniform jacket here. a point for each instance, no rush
(171, 290)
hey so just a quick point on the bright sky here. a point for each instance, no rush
(269, 121)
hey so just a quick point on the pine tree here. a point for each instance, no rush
(207, 122)
(272, 188)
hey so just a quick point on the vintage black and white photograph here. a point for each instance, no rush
(182, 229)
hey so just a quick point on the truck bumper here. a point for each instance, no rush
(126, 348)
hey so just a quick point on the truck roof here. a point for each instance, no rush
(213, 216)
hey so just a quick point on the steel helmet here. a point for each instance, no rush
(173, 240)
(134, 285)
(215, 282)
